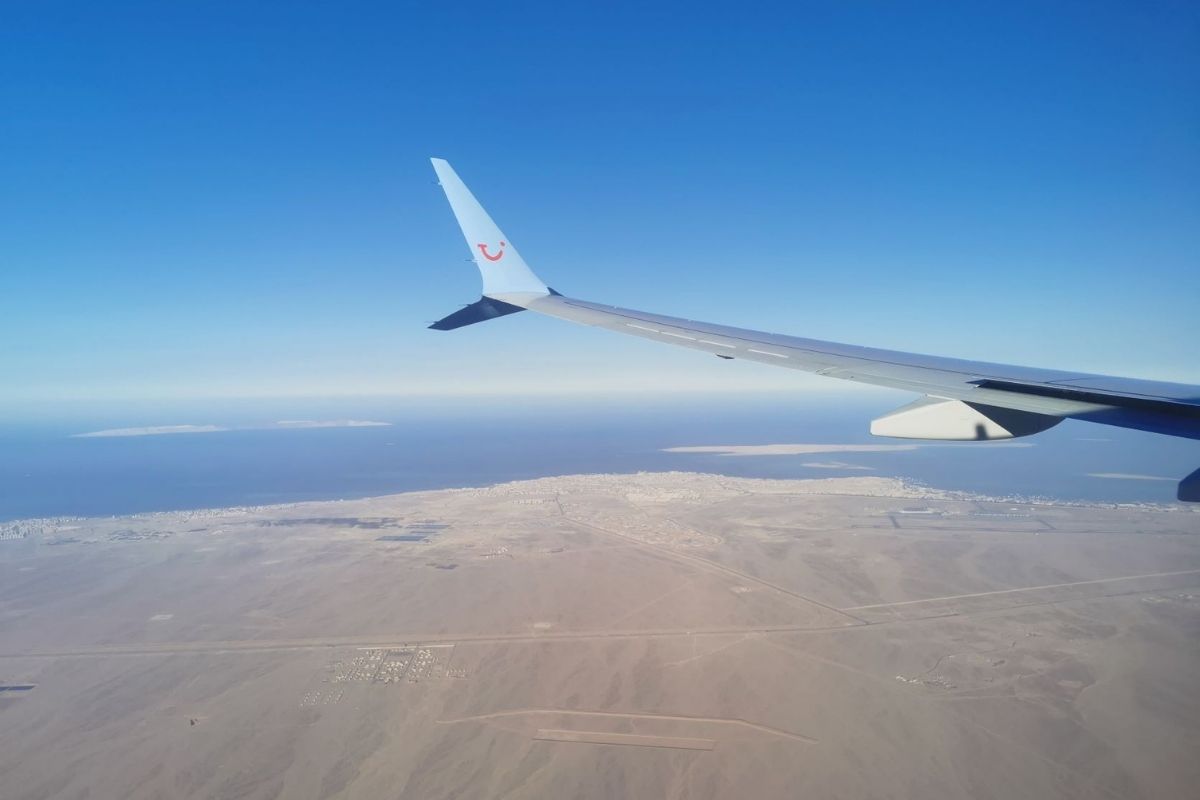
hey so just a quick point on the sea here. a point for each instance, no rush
(48, 470)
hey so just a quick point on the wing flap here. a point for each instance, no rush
(1085, 391)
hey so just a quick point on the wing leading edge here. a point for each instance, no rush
(963, 399)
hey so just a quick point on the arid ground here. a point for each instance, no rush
(608, 636)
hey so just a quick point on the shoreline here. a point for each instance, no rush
(853, 485)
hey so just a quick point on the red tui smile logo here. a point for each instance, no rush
(483, 248)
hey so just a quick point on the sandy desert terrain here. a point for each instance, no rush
(668, 635)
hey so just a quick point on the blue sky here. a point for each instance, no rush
(205, 200)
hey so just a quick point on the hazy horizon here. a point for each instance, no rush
(193, 455)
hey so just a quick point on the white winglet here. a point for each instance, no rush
(505, 273)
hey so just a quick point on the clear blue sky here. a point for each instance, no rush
(202, 199)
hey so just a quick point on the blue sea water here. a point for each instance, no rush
(45, 471)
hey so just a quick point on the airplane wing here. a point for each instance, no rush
(960, 400)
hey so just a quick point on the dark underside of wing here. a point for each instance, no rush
(1173, 416)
